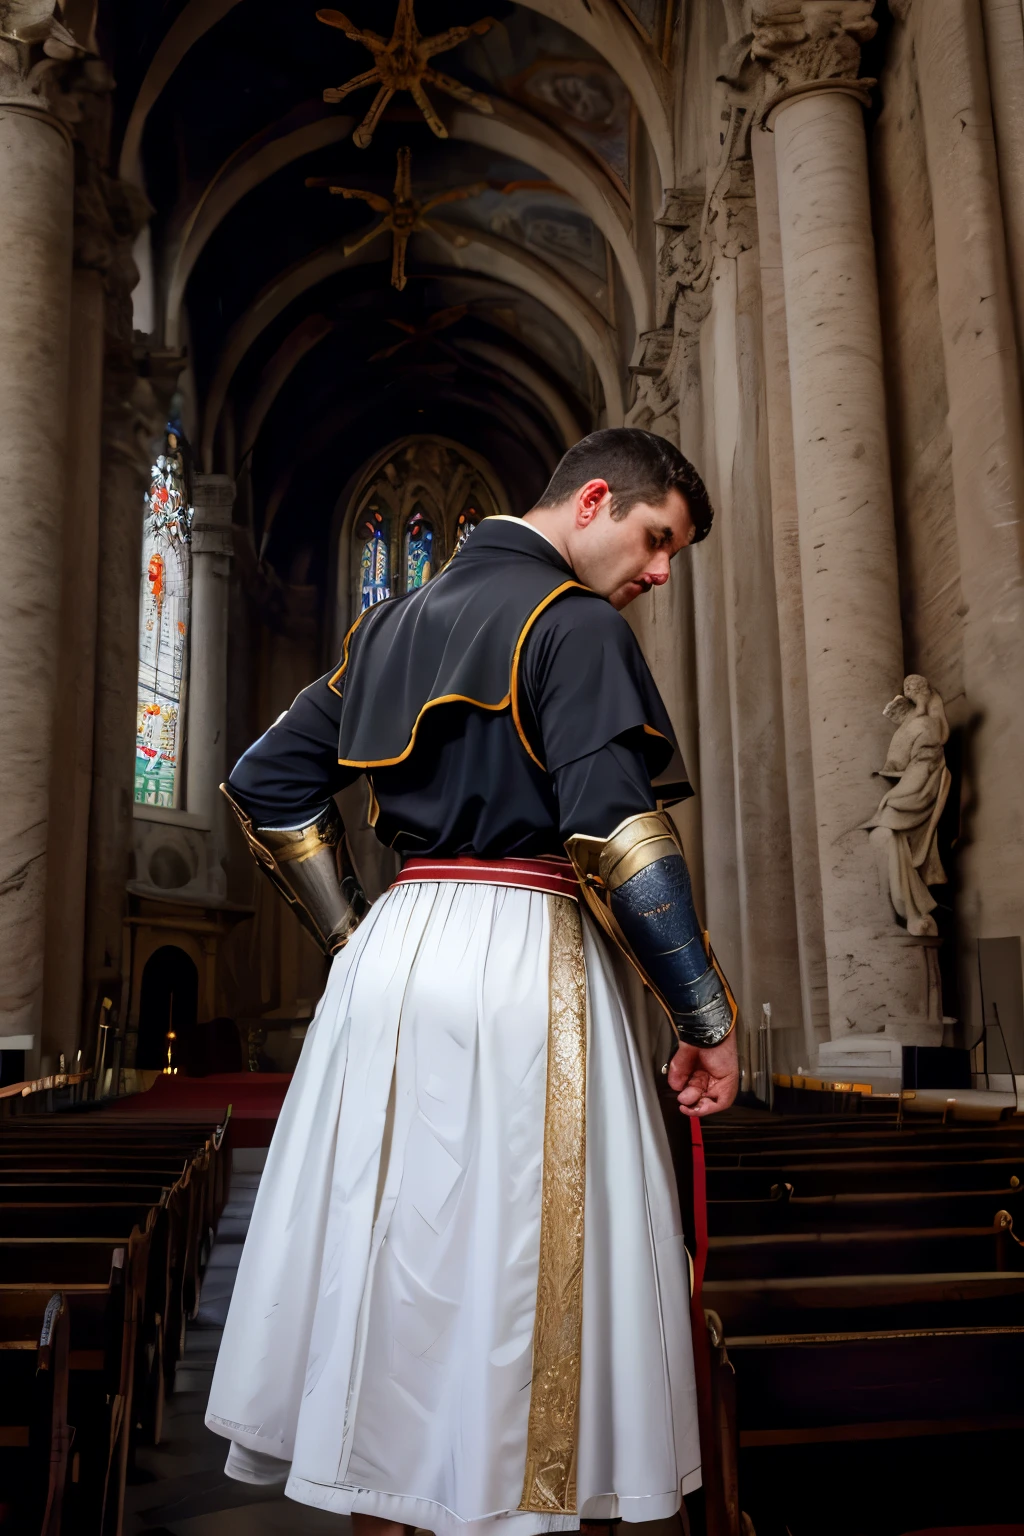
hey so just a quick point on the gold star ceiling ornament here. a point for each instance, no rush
(403, 215)
(401, 63)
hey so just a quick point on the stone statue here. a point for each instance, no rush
(903, 829)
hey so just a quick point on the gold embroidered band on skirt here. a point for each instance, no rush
(549, 1486)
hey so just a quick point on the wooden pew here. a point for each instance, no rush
(927, 1151)
(852, 1303)
(886, 1251)
(863, 1286)
(928, 1420)
(114, 1224)
(786, 1212)
(116, 1213)
(36, 1194)
(35, 1436)
(827, 1178)
(99, 1387)
(58, 1218)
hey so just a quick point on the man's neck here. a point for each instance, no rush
(549, 522)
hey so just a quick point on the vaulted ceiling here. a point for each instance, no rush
(522, 300)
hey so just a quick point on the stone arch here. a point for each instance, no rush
(480, 251)
(510, 130)
(476, 250)
(230, 183)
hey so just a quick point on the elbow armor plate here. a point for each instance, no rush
(638, 887)
(309, 866)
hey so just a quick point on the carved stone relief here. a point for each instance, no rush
(716, 216)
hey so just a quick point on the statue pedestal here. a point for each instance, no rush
(875, 1056)
(874, 1059)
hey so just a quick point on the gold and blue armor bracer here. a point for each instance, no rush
(638, 887)
(309, 866)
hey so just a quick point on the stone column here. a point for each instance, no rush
(36, 187)
(877, 977)
(987, 452)
(206, 735)
(1004, 46)
(95, 249)
(132, 418)
(743, 527)
(789, 604)
(71, 782)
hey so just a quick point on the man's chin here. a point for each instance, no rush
(624, 595)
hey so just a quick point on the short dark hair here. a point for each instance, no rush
(638, 466)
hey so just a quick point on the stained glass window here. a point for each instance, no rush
(419, 543)
(374, 558)
(467, 521)
(163, 626)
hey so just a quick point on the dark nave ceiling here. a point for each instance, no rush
(515, 321)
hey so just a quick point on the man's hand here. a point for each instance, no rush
(705, 1081)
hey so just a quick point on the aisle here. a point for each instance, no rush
(182, 1490)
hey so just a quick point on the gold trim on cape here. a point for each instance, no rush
(512, 697)
(549, 1484)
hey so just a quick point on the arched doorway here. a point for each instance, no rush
(169, 998)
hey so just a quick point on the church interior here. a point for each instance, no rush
(291, 302)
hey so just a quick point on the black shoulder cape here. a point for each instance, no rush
(459, 640)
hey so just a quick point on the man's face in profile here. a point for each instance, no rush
(623, 558)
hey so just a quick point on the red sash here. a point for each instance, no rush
(552, 875)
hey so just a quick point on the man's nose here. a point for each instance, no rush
(657, 572)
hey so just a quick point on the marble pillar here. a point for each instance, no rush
(768, 939)
(877, 977)
(711, 664)
(71, 782)
(36, 189)
(206, 737)
(986, 431)
(789, 604)
(1004, 47)
(134, 410)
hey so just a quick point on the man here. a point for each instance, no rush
(463, 1303)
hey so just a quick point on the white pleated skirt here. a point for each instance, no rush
(378, 1349)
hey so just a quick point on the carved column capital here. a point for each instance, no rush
(41, 63)
(812, 45)
(213, 497)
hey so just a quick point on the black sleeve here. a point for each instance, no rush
(287, 777)
(597, 792)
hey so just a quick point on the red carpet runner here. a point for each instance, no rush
(255, 1099)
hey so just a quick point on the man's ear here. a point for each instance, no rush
(589, 499)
